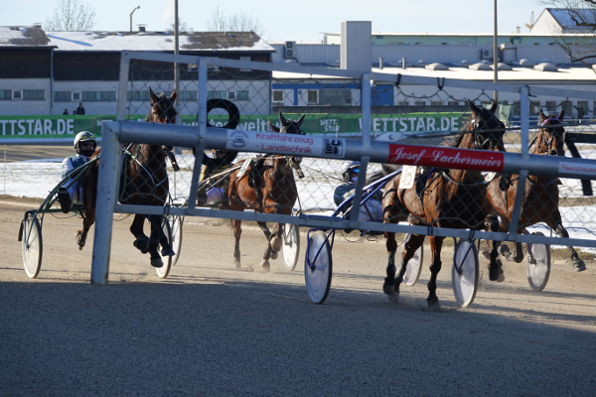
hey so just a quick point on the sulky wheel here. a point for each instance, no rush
(32, 246)
(291, 245)
(162, 272)
(464, 273)
(538, 264)
(318, 267)
(414, 265)
(176, 242)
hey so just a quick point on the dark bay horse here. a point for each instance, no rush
(267, 186)
(143, 181)
(451, 198)
(541, 194)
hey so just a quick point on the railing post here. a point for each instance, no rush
(524, 106)
(107, 187)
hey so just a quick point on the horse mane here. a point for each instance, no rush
(455, 141)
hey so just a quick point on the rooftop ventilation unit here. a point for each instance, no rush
(486, 54)
(290, 50)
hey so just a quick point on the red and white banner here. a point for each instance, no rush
(444, 157)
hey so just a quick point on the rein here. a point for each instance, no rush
(135, 158)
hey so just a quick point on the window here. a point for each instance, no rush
(534, 107)
(312, 97)
(62, 96)
(335, 97)
(245, 59)
(419, 103)
(99, 96)
(436, 103)
(242, 95)
(188, 95)
(34, 95)
(450, 103)
(76, 96)
(16, 94)
(403, 104)
(5, 95)
(140, 96)
(278, 96)
(551, 107)
(217, 94)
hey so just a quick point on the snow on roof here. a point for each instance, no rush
(464, 73)
(23, 36)
(565, 17)
(158, 41)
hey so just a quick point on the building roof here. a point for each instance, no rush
(23, 37)
(158, 41)
(565, 18)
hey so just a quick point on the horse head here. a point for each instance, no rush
(288, 126)
(487, 126)
(162, 110)
(550, 138)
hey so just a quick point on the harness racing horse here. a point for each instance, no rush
(541, 194)
(266, 186)
(451, 198)
(143, 181)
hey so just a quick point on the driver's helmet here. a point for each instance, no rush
(218, 153)
(84, 136)
(349, 170)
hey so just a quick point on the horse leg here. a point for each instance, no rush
(236, 224)
(578, 264)
(275, 241)
(152, 246)
(268, 251)
(157, 231)
(142, 241)
(391, 285)
(88, 221)
(491, 222)
(436, 243)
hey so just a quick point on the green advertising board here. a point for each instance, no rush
(19, 129)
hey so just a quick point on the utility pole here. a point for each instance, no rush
(176, 52)
(496, 56)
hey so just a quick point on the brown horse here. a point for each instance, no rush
(541, 194)
(451, 198)
(143, 181)
(267, 186)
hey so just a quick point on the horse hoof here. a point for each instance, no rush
(389, 286)
(433, 304)
(579, 265)
(141, 245)
(273, 255)
(275, 243)
(156, 262)
(80, 239)
(167, 252)
(496, 274)
(265, 266)
(504, 250)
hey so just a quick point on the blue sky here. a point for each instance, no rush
(296, 20)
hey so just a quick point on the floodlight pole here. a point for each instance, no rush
(496, 56)
(176, 51)
(133, 11)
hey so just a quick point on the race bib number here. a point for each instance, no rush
(408, 175)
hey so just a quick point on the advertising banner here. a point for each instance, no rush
(34, 129)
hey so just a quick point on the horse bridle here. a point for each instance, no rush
(491, 123)
(554, 128)
(285, 129)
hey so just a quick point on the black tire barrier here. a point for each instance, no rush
(230, 107)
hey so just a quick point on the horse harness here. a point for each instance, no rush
(135, 157)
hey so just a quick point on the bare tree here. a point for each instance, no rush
(239, 22)
(581, 19)
(182, 27)
(70, 15)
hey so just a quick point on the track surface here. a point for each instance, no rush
(209, 329)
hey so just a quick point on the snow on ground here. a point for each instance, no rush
(38, 178)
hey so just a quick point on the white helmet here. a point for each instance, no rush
(84, 136)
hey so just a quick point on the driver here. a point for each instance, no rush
(219, 161)
(84, 146)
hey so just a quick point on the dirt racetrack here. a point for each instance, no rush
(209, 329)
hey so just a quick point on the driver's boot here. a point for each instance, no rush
(64, 200)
